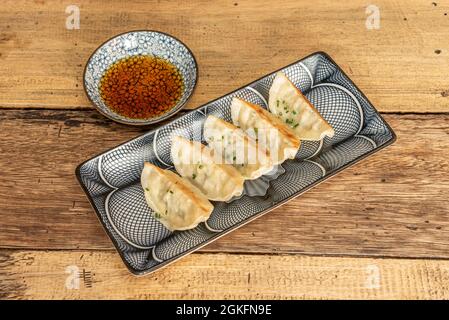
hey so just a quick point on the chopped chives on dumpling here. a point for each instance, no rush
(237, 148)
(292, 107)
(272, 133)
(204, 169)
(176, 203)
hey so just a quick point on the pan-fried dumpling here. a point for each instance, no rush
(176, 203)
(237, 148)
(292, 107)
(198, 164)
(270, 132)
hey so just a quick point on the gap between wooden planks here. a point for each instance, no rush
(400, 66)
(392, 204)
(49, 275)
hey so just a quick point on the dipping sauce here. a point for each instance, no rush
(141, 87)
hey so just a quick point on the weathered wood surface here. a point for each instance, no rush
(401, 67)
(49, 275)
(392, 204)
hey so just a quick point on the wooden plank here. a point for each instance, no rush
(50, 275)
(392, 204)
(399, 66)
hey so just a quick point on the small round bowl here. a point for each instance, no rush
(133, 43)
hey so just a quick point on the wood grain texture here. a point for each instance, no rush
(44, 275)
(392, 204)
(402, 66)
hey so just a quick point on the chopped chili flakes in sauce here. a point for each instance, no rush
(141, 87)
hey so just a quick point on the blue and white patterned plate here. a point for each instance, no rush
(111, 180)
(133, 43)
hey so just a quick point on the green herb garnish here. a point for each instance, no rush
(147, 189)
(193, 176)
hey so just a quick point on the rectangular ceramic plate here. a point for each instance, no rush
(111, 180)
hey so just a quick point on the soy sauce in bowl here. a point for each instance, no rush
(141, 87)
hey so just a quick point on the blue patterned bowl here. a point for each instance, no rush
(134, 43)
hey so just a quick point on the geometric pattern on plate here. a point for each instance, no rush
(359, 131)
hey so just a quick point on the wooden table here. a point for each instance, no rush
(378, 230)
